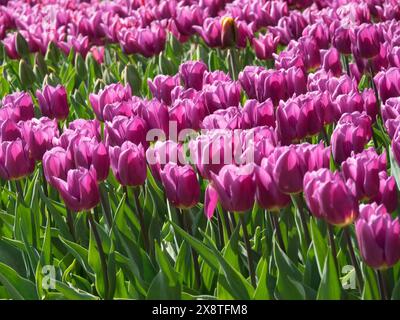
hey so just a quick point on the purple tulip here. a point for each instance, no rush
(234, 187)
(247, 80)
(39, 135)
(161, 153)
(89, 128)
(121, 129)
(221, 95)
(209, 77)
(15, 161)
(53, 102)
(56, 164)
(268, 195)
(367, 41)
(128, 164)
(342, 38)
(363, 170)
(155, 114)
(185, 18)
(80, 191)
(350, 135)
(296, 81)
(388, 83)
(271, 84)
(112, 93)
(210, 31)
(258, 114)
(161, 87)
(181, 185)
(188, 113)
(387, 194)
(88, 152)
(328, 197)
(265, 45)
(378, 236)
(191, 73)
(17, 106)
(9, 130)
(331, 61)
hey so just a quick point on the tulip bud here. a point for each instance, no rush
(181, 185)
(329, 198)
(128, 164)
(26, 74)
(15, 162)
(56, 163)
(234, 187)
(53, 102)
(378, 236)
(80, 191)
(21, 45)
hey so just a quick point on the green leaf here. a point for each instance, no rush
(319, 245)
(18, 287)
(72, 293)
(262, 291)
(329, 288)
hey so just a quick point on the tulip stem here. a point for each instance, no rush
(20, 192)
(382, 285)
(220, 231)
(225, 218)
(353, 257)
(186, 226)
(103, 262)
(44, 182)
(232, 64)
(248, 249)
(105, 204)
(278, 232)
(70, 222)
(140, 215)
(332, 244)
(299, 204)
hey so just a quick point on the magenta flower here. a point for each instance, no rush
(181, 185)
(128, 164)
(56, 164)
(161, 87)
(378, 236)
(328, 197)
(53, 102)
(265, 45)
(191, 73)
(15, 161)
(17, 106)
(80, 191)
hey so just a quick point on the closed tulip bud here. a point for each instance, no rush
(80, 190)
(191, 73)
(363, 169)
(378, 236)
(181, 185)
(268, 195)
(367, 40)
(234, 187)
(88, 152)
(15, 162)
(39, 135)
(26, 74)
(56, 164)
(53, 102)
(21, 45)
(128, 164)
(329, 198)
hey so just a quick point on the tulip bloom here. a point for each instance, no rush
(15, 161)
(363, 170)
(387, 194)
(228, 32)
(268, 195)
(80, 191)
(128, 164)
(112, 93)
(329, 198)
(191, 73)
(181, 185)
(56, 164)
(265, 45)
(234, 187)
(17, 106)
(388, 83)
(90, 153)
(161, 87)
(258, 114)
(9, 130)
(378, 236)
(53, 102)
(367, 41)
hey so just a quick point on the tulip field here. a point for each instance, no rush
(200, 149)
